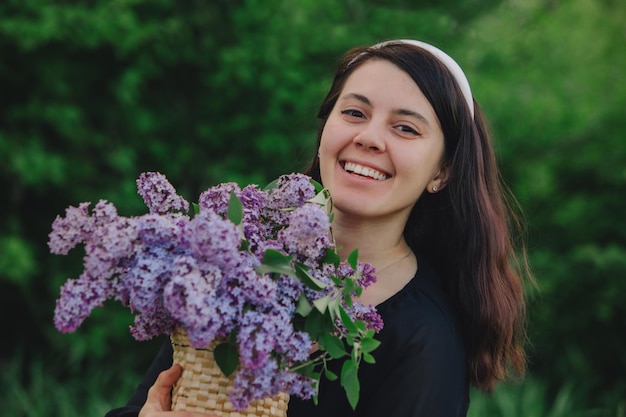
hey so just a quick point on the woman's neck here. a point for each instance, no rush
(382, 244)
(379, 241)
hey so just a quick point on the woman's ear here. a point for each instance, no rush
(440, 180)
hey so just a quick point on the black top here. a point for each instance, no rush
(420, 367)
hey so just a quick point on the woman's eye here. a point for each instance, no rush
(352, 113)
(407, 129)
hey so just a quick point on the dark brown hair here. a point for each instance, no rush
(466, 230)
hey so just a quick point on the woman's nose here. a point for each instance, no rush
(371, 138)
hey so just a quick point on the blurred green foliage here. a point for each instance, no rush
(93, 93)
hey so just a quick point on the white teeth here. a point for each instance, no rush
(367, 172)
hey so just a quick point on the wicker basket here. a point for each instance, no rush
(203, 388)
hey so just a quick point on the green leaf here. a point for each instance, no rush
(226, 357)
(349, 286)
(318, 187)
(196, 208)
(275, 262)
(235, 209)
(353, 258)
(316, 324)
(347, 320)
(322, 303)
(333, 307)
(350, 382)
(331, 257)
(368, 345)
(272, 185)
(358, 291)
(360, 325)
(367, 357)
(330, 375)
(333, 345)
(307, 279)
(320, 198)
(304, 307)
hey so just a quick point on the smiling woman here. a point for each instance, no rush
(404, 151)
(455, 311)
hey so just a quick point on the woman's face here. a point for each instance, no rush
(381, 145)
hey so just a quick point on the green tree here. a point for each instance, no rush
(93, 93)
(550, 76)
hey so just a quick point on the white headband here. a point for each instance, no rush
(450, 63)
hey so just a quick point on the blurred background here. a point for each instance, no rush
(92, 93)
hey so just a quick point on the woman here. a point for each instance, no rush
(406, 156)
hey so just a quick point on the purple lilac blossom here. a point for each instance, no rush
(146, 326)
(216, 198)
(187, 297)
(288, 293)
(257, 289)
(292, 190)
(372, 319)
(78, 298)
(252, 200)
(158, 194)
(307, 233)
(104, 212)
(256, 338)
(69, 231)
(173, 271)
(251, 384)
(214, 240)
(146, 279)
(367, 274)
(142, 286)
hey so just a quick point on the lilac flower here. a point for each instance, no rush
(146, 326)
(256, 338)
(146, 279)
(69, 231)
(253, 383)
(158, 194)
(104, 213)
(216, 198)
(209, 276)
(187, 297)
(253, 201)
(367, 274)
(291, 191)
(307, 233)
(213, 239)
(288, 292)
(78, 298)
(372, 319)
(298, 384)
(162, 230)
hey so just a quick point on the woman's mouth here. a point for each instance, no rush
(364, 171)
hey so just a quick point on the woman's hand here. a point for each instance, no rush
(159, 400)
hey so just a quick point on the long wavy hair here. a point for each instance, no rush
(470, 231)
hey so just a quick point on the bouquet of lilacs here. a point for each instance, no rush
(253, 272)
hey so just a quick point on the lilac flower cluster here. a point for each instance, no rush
(202, 273)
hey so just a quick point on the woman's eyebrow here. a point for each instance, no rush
(358, 97)
(411, 113)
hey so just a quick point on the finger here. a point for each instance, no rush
(159, 395)
(167, 378)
